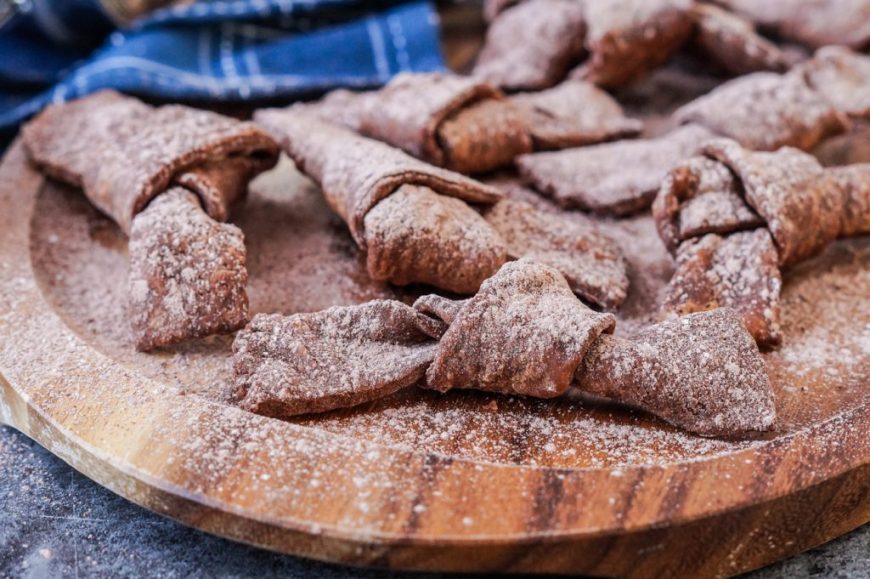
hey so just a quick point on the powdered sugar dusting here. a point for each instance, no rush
(300, 258)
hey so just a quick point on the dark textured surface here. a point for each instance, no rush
(54, 522)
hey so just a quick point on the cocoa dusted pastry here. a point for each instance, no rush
(591, 262)
(123, 152)
(340, 357)
(853, 184)
(532, 45)
(468, 126)
(572, 114)
(187, 271)
(733, 43)
(523, 333)
(417, 235)
(702, 373)
(447, 120)
(765, 111)
(613, 178)
(424, 231)
(738, 271)
(628, 38)
(842, 77)
(815, 23)
(734, 217)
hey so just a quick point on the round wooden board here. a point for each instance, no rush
(462, 481)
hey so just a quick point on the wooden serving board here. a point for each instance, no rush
(462, 481)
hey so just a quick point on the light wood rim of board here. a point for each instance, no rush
(117, 436)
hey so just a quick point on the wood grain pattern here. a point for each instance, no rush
(340, 487)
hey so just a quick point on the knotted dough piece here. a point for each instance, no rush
(734, 217)
(765, 111)
(801, 209)
(700, 196)
(611, 178)
(628, 38)
(738, 271)
(166, 176)
(523, 333)
(336, 358)
(702, 373)
(123, 152)
(842, 77)
(447, 120)
(532, 46)
(358, 175)
(187, 273)
(733, 43)
(591, 262)
(467, 125)
(402, 230)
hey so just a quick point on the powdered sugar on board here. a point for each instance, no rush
(301, 259)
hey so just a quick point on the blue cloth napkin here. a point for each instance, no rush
(233, 50)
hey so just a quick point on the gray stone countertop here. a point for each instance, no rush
(54, 522)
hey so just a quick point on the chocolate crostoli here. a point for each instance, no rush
(403, 228)
(532, 45)
(628, 38)
(734, 217)
(340, 357)
(447, 120)
(455, 252)
(733, 43)
(815, 23)
(123, 152)
(738, 271)
(701, 372)
(187, 273)
(469, 126)
(524, 333)
(572, 114)
(765, 111)
(166, 176)
(842, 77)
(591, 262)
(612, 178)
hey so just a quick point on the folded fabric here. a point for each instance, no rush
(523, 333)
(240, 50)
